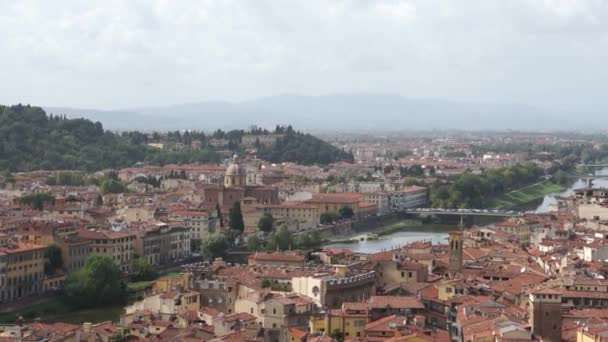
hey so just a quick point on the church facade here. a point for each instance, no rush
(235, 189)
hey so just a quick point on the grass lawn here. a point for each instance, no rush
(170, 272)
(139, 286)
(397, 227)
(526, 194)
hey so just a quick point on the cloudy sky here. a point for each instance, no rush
(116, 54)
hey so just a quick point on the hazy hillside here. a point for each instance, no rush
(30, 139)
(342, 112)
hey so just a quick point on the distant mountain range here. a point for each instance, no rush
(349, 112)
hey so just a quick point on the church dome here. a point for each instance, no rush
(235, 169)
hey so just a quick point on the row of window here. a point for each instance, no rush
(13, 281)
(11, 259)
(22, 267)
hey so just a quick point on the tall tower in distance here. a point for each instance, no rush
(456, 248)
(546, 314)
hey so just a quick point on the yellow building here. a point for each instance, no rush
(172, 282)
(349, 320)
(302, 212)
(592, 333)
(74, 251)
(517, 228)
(117, 245)
(449, 289)
(23, 270)
(391, 272)
(331, 203)
(196, 220)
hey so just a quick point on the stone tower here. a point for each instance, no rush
(546, 314)
(236, 174)
(456, 247)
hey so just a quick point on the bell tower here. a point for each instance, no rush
(546, 314)
(456, 249)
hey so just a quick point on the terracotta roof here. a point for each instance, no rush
(241, 316)
(297, 333)
(551, 291)
(103, 234)
(355, 306)
(385, 323)
(20, 247)
(396, 302)
(277, 256)
(473, 253)
(344, 197)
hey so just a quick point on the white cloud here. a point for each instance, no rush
(110, 54)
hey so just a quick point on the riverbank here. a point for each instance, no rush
(380, 231)
(395, 234)
(525, 195)
(57, 309)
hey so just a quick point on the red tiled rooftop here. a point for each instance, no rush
(278, 256)
(397, 302)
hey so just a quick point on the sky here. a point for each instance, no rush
(120, 54)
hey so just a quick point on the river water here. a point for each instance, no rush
(439, 233)
(550, 200)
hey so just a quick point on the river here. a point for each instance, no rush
(549, 200)
(438, 233)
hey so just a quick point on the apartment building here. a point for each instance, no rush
(161, 244)
(301, 212)
(74, 250)
(21, 270)
(196, 220)
(117, 245)
(409, 197)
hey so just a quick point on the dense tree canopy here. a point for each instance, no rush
(253, 243)
(112, 186)
(31, 140)
(53, 261)
(476, 191)
(236, 217)
(302, 148)
(37, 200)
(266, 223)
(98, 283)
(280, 239)
(346, 212)
(141, 270)
(215, 247)
(67, 178)
(328, 218)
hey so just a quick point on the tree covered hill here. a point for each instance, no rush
(30, 140)
(302, 148)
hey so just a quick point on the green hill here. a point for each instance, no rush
(31, 140)
(302, 148)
